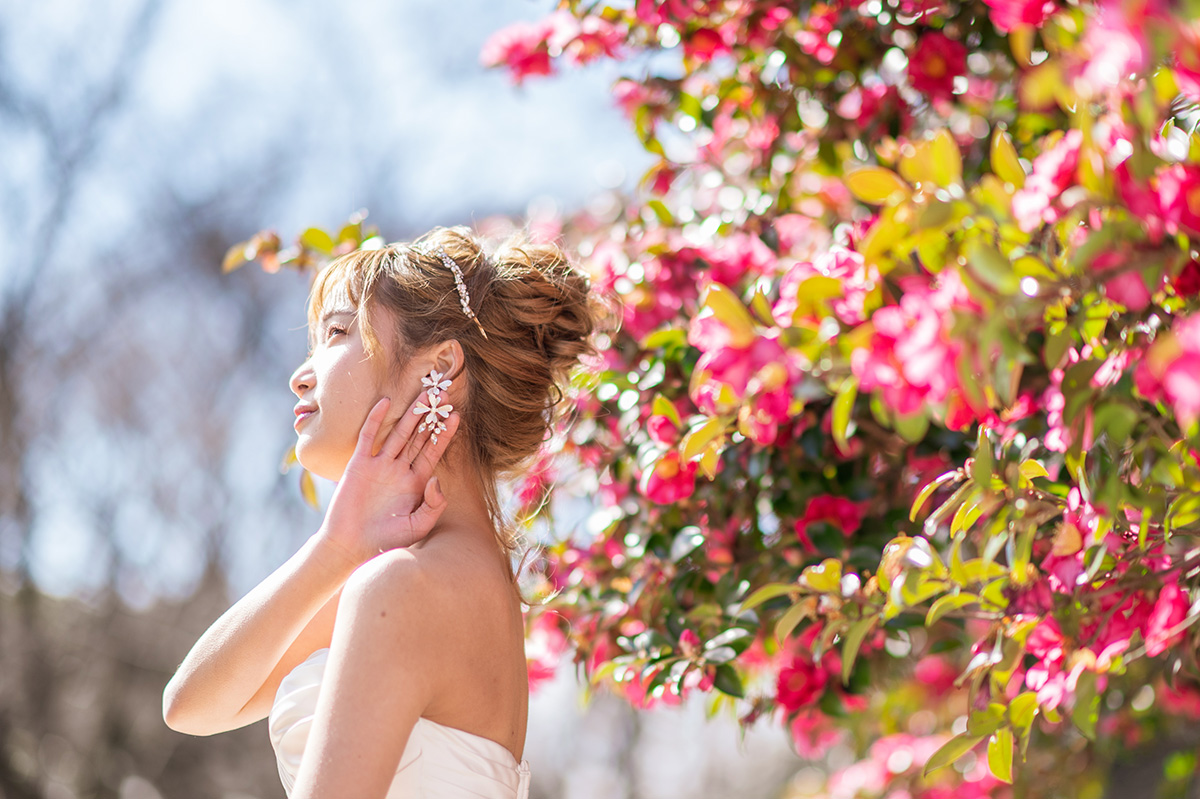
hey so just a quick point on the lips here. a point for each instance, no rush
(302, 413)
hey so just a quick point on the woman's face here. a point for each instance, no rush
(337, 386)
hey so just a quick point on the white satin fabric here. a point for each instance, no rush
(439, 762)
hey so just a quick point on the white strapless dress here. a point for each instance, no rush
(439, 762)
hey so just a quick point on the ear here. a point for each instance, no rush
(447, 357)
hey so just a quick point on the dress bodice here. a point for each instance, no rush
(439, 762)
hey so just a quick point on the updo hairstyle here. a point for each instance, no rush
(539, 315)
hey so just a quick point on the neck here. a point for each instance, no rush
(466, 511)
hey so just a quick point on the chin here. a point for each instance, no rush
(317, 461)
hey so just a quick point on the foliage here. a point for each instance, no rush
(898, 440)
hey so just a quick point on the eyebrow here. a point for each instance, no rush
(336, 312)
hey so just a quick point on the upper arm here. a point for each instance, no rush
(314, 636)
(378, 681)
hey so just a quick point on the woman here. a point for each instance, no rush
(388, 653)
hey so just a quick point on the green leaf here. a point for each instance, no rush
(876, 185)
(843, 403)
(946, 604)
(767, 593)
(1087, 705)
(946, 159)
(671, 338)
(850, 646)
(685, 543)
(1000, 754)
(727, 681)
(952, 750)
(990, 266)
(985, 722)
(794, 615)
(983, 464)
(912, 428)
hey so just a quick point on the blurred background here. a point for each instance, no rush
(144, 406)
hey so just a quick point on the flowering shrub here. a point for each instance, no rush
(898, 442)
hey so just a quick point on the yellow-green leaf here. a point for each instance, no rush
(728, 308)
(946, 604)
(1005, 162)
(876, 185)
(952, 750)
(928, 490)
(850, 647)
(767, 593)
(308, 488)
(664, 407)
(794, 615)
(946, 159)
(825, 576)
(316, 239)
(1000, 754)
(843, 403)
(698, 438)
(990, 266)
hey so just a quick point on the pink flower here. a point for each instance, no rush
(934, 64)
(1009, 15)
(544, 646)
(813, 37)
(911, 355)
(1171, 370)
(1169, 610)
(705, 44)
(670, 480)
(1187, 282)
(1128, 288)
(522, 47)
(813, 733)
(800, 684)
(584, 40)
(843, 513)
(1053, 171)
(1179, 194)
(1116, 49)
(1187, 60)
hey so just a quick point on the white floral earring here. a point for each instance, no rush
(435, 414)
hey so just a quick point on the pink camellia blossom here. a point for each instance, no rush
(800, 684)
(662, 430)
(544, 646)
(911, 355)
(1170, 609)
(1011, 15)
(842, 512)
(582, 41)
(856, 281)
(935, 62)
(1052, 172)
(813, 37)
(1127, 287)
(670, 480)
(1187, 282)
(1171, 370)
(813, 733)
(1179, 195)
(705, 44)
(874, 107)
(1115, 47)
(1187, 60)
(523, 47)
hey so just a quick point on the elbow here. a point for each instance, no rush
(176, 713)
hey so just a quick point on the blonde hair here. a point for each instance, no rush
(539, 314)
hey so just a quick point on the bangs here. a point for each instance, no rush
(348, 281)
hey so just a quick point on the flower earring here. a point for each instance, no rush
(435, 414)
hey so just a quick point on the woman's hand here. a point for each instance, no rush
(388, 497)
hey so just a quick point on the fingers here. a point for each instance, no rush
(402, 431)
(428, 455)
(424, 517)
(370, 428)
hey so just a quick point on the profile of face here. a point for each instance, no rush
(337, 385)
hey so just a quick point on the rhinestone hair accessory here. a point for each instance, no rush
(435, 414)
(463, 297)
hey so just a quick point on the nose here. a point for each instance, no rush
(302, 380)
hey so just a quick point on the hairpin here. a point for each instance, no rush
(460, 284)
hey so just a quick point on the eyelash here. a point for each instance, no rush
(334, 329)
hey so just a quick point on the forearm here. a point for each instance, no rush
(237, 655)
